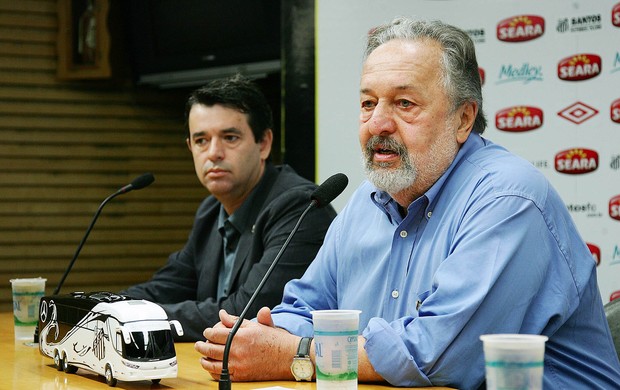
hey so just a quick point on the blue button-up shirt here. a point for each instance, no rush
(489, 248)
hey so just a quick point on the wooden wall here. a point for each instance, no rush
(67, 145)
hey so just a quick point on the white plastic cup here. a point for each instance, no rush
(335, 343)
(27, 294)
(514, 361)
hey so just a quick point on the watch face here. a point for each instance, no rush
(302, 369)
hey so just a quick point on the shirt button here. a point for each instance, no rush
(429, 214)
(403, 233)
(395, 294)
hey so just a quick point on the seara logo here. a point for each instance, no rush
(579, 67)
(596, 252)
(576, 161)
(519, 118)
(520, 28)
(614, 207)
(615, 15)
(614, 111)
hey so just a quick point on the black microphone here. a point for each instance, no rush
(137, 183)
(321, 197)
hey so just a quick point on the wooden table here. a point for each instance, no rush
(23, 367)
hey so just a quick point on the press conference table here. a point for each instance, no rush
(23, 367)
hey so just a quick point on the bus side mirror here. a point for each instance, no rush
(177, 327)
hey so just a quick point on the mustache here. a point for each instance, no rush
(387, 143)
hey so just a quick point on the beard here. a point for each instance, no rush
(382, 175)
(407, 176)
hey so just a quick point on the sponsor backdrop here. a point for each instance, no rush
(551, 83)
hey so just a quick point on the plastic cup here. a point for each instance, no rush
(26, 296)
(335, 342)
(514, 361)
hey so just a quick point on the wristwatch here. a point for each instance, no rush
(302, 367)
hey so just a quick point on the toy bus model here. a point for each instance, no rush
(112, 335)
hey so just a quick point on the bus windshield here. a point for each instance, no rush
(150, 346)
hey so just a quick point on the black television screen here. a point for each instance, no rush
(170, 36)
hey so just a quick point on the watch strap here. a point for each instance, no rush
(304, 347)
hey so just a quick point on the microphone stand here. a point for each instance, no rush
(90, 227)
(138, 183)
(224, 382)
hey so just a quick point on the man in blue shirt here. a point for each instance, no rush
(450, 238)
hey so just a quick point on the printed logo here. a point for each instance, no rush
(477, 35)
(576, 161)
(615, 257)
(615, 15)
(596, 252)
(588, 209)
(578, 112)
(525, 73)
(579, 67)
(615, 162)
(519, 118)
(540, 164)
(580, 23)
(614, 207)
(614, 295)
(616, 66)
(614, 111)
(520, 28)
(482, 75)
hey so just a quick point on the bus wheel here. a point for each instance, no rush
(66, 367)
(109, 376)
(57, 361)
(155, 381)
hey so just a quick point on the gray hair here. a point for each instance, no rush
(460, 74)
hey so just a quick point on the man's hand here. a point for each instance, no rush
(259, 351)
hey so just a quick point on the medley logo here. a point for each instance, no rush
(519, 118)
(614, 111)
(525, 73)
(579, 67)
(576, 161)
(615, 15)
(520, 28)
(596, 252)
(614, 207)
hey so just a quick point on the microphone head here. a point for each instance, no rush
(330, 189)
(142, 181)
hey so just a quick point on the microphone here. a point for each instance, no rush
(321, 197)
(137, 183)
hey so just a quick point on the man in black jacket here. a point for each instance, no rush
(241, 226)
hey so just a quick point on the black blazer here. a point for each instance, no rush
(186, 286)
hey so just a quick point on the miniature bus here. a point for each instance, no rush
(112, 335)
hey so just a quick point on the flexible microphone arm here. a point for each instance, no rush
(321, 197)
(138, 183)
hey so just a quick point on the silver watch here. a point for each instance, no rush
(302, 367)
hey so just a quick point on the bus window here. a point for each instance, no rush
(150, 345)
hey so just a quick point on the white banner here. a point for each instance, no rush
(551, 73)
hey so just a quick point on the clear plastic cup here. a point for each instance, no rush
(26, 296)
(335, 342)
(514, 361)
